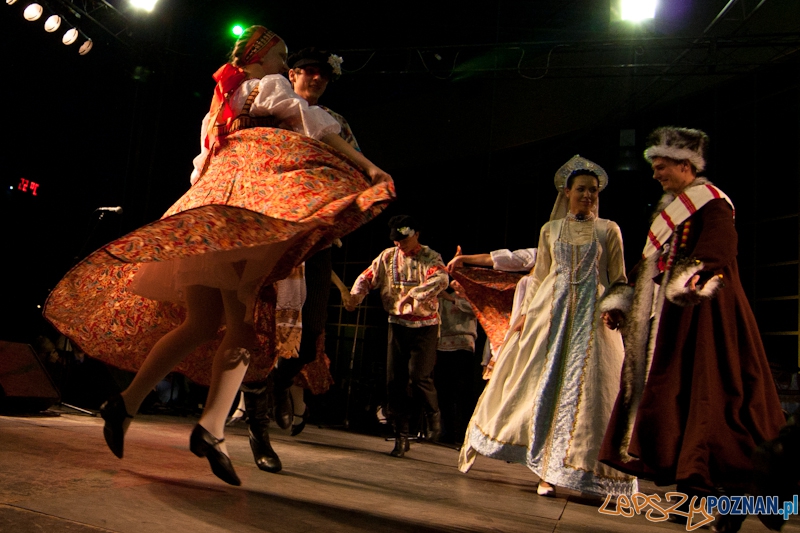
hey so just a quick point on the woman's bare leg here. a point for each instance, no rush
(229, 367)
(203, 318)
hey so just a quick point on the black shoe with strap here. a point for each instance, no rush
(114, 414)
(298, 428)
(204, 444)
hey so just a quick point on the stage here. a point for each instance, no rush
(56, 475)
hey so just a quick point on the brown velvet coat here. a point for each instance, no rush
(709, 398)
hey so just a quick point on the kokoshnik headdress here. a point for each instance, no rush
(229, 77)
(680, 144)
(576, 166)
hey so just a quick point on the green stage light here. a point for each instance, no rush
(237, 30)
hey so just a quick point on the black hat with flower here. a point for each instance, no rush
(328, 63)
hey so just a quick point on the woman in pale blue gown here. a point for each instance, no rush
(557, 376)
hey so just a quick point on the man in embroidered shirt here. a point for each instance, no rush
(409, 276)
(310, 72)
(697, 394)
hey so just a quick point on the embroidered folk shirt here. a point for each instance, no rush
(459, 327)
(345, 132)
(420, 274)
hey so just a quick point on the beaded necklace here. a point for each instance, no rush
(565, 257)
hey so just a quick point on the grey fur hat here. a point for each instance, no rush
(679, 144)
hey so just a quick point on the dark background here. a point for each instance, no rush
(470, 109)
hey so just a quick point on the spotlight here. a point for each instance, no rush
(52, 23)
(70, 36)
(638, 10)
(9, 2)
(146, 5)
(32, 12)
(85, 47)
(237, 30)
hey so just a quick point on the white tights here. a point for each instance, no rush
(206, 307)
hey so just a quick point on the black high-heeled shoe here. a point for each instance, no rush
(114, 414)
(204, 444)
(298, 428)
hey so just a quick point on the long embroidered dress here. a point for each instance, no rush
(262, 200)
(555, 382)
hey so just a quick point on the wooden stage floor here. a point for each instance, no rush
(56, 475)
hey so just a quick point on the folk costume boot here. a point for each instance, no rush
(256, 406)
(401, 442)
(284, 407)
(434, 423)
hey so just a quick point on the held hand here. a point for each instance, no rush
(456, 261)
(693, 295)
(517, 326)
(378, 176)
(406, 301)
(447, 296)
(458, 289)
(613, 319)
(349, 302)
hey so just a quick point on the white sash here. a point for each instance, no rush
(681, 208)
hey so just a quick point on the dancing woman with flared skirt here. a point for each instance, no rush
(193, 292)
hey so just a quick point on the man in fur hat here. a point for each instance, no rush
(697, 394)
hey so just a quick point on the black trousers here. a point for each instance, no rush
(411, 359)
(455, 375)
(315, 314)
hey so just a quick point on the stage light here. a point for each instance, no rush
(85, 47)
(237, 30)
(637, 10)
(70, 36)
(32, 12)
(147, 5)
(9, 2)
(52, 23)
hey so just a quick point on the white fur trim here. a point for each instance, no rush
(711, 287)
(677, 291)
(618, 297)
(678, 154)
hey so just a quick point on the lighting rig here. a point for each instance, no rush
(66, 15)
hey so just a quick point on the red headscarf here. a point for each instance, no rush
(228, 77)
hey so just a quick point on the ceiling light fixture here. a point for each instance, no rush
(52, 23)
(637, 10)
(85, 47)
(32, 12)
(70, 36)
(146, 5)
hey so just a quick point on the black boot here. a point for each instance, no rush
(434, 422)
(257, 409)
(401, 442)
(401, 446)
(284, 407)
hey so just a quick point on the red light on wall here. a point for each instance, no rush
(26, 185)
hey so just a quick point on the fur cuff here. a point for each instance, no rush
(678, 293)
(620, 297)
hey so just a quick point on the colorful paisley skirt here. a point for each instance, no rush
(269, 198)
